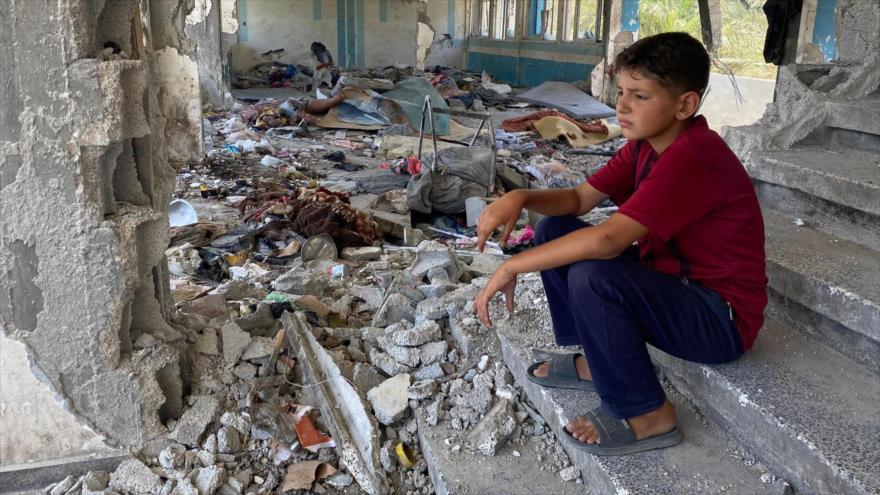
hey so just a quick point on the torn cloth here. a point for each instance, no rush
(527, 122)
(321, 211)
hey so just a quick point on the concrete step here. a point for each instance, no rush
(835, 278)
(514, 470)
(858, 115)
(806, 410)
(847, 178)
(705, 462)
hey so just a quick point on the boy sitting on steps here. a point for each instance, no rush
(695, 285)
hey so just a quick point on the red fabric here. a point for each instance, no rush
(697, 201)
(527, 122)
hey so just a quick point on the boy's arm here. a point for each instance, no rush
(604, 241)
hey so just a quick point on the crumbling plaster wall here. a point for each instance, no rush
(205, 25)
(363, 33)
(85, 180)
(799, 107)
(446, 19)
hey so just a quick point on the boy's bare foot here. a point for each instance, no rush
(580, 362)
(653, 423)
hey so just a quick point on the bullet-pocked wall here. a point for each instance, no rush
(358, 33)
(90, 142)
(527, 42)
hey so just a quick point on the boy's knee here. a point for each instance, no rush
(550, 228)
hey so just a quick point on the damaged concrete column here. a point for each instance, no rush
(205, 25)
(85, 182)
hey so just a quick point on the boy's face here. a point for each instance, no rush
(645, 109)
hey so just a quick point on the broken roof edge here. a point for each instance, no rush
(351, 425)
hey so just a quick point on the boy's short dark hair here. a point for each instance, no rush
(675, 60)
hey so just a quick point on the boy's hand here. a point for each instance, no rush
(505, 211)
(503, 281)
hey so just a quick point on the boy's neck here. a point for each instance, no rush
(662, 141)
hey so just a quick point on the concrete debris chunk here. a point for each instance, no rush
(435, 291)
(339, 480)
(431, 372)
(435, 411)
(365, 378)
(570, 473)
(260, 318)
(389, 400)
(396, 307)
(301, 282)
(433, 254)
(433, 352)
(371, 296)
(238, 421)
(387, 364)
(62, 486)
(493, 430)
(206, 342)
(361, 254)
(95, 482)
(235, 341)
(438, 276)
(185, 487)
(422, 333)
(422, 390)
(133, 477)
(192, 424)
(430, 309)
(260, 347)
(485, 264)
(208, 480)
(228, 440)
(245, 371)
(172, 456)
(407, 356)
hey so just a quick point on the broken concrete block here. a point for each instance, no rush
(95, 482)
(301, 282)
(235, 341)
(422, 333)
(207, 343)
(365, 378)
(258, 319)
(430, 309)
(228, 440)
(206, 458)
(473, 207)
(396, 307)
(431, 372)
(433, 352)
(433, 254)
(245, 371)
(62, 486)
(479, 399)
(438, 276)
(387, 457)
(132, 476)
(485, 264)
(361, 254)
(185, 487)
(194, 421)
(493, 430)
(172, 456)
(239, 421)
(389, 399)
(210, 306)
(372, 296)
(408, 356)
(435, 411)
(339, 480)
(387, 364)
(422, 390)
(570, 473)
(435, 291)
(208, 480)
(260, 347)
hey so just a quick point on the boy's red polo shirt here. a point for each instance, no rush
(702, 215)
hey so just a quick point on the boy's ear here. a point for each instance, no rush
(688, 104)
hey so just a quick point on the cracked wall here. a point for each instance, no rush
(89, 143)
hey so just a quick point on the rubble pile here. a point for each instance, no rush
(312, 215)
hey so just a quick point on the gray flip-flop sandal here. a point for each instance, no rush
(562, 374)
(617, 438)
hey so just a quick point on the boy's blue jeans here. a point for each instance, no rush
(614, 307)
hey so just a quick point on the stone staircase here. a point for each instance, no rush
(802, 405)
